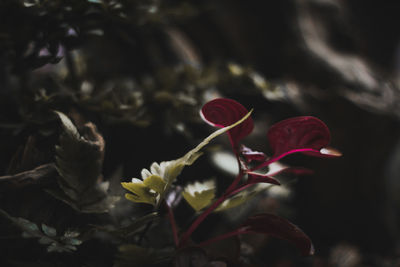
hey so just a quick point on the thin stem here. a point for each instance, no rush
(238, 177)
(173, 224)
(223, 236)
(210, 209)
(200, 219)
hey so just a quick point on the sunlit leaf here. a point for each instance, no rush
(199, 195)
(155, 183)
(141, 193)
(222, 112)
(168, 171)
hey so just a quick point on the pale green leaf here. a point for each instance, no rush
(199, 194)
(50, 231)
(200, 200)
(155, 182)
(242, 197)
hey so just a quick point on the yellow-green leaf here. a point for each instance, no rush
(237, 200)
(156, 183)
(141, 193)
(200, 200)
(199, 195)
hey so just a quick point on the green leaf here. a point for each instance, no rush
(47, 237)
(199, 195)
(45, 240)
(50, 231)
(141, 193)
(79, 160)
(156, 183)
(168, 171)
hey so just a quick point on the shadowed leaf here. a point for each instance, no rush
(222, 112)
(300, 134)
(79, 162)
(278, 227)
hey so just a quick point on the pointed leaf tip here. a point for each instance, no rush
(222, 112)
(281, 228)
(304, 134)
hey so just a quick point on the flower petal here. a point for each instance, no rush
(222, 112)
(281, 228)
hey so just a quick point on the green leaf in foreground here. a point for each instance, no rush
(199, 195)
(79, 160)
(168, 171)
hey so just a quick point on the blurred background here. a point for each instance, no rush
(141, 70)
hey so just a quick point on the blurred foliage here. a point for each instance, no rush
(133, 74)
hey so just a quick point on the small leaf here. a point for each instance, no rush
(237, 200)
(200, 194)
(169, 170)
(300, 134)
(222, 112)
(156, 183)
(278, 227)
(50, 231)
(45, 240)
(71, 234)
(141, 193)
(73, 241)
(30, 226)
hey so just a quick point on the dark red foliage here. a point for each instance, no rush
(305, 134)
(278, 227)
(222, 112)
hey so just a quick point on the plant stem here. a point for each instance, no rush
(238, 177)
(200, 219)
(173, 224)
(210, 209)
(223, 236)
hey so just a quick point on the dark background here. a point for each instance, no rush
(336, 60)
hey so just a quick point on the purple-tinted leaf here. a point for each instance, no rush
(306, 134)
(278, 227)
(251, 155)
(254, 178)
(222, 112)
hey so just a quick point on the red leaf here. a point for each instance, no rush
(300, 134)
(222, 112)
(281, 228)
